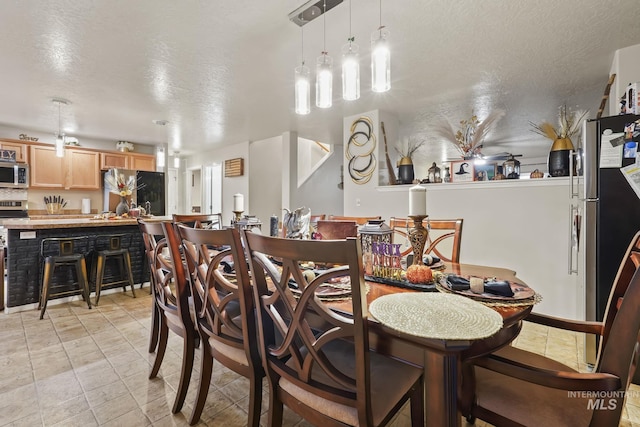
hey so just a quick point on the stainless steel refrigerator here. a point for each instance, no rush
(605, 210)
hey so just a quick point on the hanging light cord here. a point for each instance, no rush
(381, 26)
(59, 122)
(302, 46)
(351, 38)
(324, 28)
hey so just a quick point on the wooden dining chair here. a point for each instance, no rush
(317, 360)
(172, 301)
(360, 220)
(159, 267)
(443, 240)
(212, 221)
(225, 313)
(517, 387)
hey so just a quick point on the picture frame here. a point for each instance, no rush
(462, 171)
(486, 172)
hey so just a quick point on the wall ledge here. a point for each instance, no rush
(506, 183)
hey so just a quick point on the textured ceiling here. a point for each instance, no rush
(221, 72)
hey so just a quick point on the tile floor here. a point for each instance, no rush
(80, 367)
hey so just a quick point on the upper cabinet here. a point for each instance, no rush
(143, 162)
(77, 170)
(20, 148)
(83, 169)
(114, 160)
(45, 169)
(118, 160)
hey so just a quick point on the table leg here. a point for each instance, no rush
(441, 384)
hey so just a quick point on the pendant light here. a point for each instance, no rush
(324, 72)
(350, 67)
(302, 85)
(380, 58)
(59, 144)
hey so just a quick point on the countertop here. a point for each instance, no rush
(36, 224)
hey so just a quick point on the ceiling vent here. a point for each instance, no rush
(311, 10)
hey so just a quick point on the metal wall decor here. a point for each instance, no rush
(360, 150)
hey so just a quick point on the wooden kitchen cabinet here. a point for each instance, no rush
(83, 169)
(138, 162)
(142, 162)
(46, 170)
(109, 160)
(77, 170)
(20, 148)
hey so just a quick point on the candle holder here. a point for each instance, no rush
(418, 237)
(238, 215)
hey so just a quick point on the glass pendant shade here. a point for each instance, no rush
(176, 162)
(324, 81)
(380, 61)
(303, 90)
(60, 145)
(160, 157)
(350, 72)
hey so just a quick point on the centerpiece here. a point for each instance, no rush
(116, 183)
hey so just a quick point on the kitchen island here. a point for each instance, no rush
(24, 263)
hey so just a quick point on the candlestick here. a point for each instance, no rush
(417, 200)
(238, 215)
(238, 202)
(418, 238)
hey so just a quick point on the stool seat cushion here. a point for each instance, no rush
(113, 252)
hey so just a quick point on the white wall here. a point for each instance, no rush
(521, 225)
(232, 185)
(265, 179)
(626, 66)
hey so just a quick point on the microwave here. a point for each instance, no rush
(14, 175)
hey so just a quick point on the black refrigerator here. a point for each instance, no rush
(150, 187)
(605, 209)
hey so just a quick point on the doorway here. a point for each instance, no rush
(213, 188)
(194, 190)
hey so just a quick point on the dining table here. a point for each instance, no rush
(422, 333)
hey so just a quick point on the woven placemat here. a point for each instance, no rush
(436, 315)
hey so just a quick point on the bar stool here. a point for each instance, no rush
(112, 247)
(61, 252)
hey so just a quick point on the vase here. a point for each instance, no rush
(405, 170)
(123, 206)
(560, 157)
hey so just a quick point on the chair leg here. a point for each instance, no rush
(127, 264)
(155, 328)
(417, 405)
(162, 346)
(49, 266)
(206, 367)
(188, 350)
(255, 400)
(81, 271)
(100, 261)
(275, 407)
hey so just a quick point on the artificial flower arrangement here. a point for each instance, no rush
(470, 136)
(124, 146)
(117, 183)
(569, 123)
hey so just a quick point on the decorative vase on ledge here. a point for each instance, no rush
(559, 157)
(405, 170)
(123, 206)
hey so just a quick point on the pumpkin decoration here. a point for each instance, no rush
(536, 174)
(419, 274)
